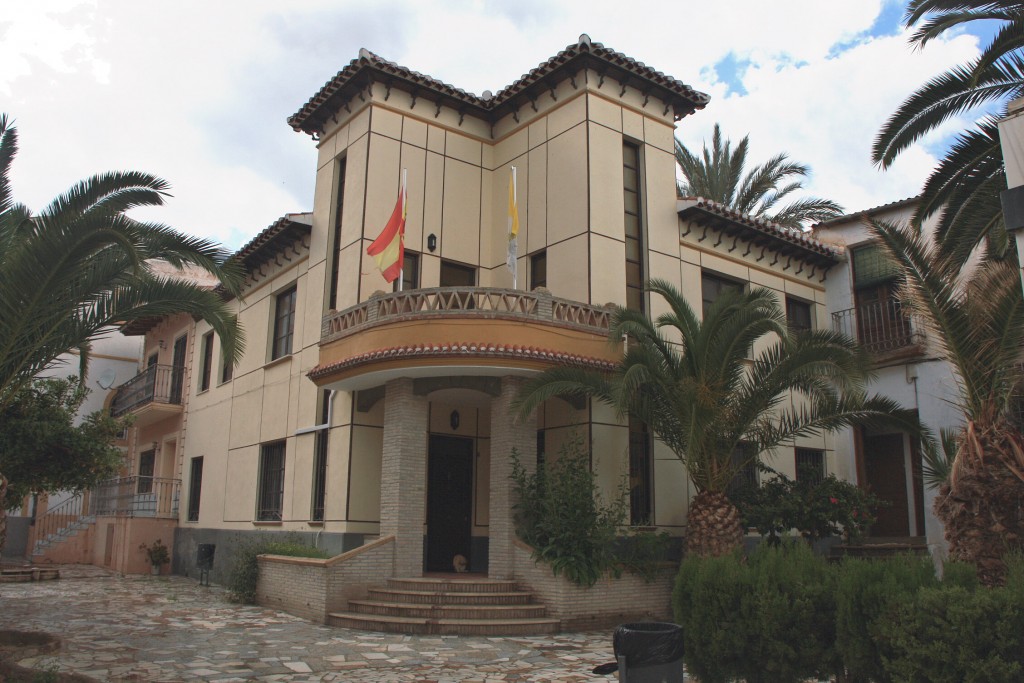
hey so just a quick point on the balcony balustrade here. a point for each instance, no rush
(882, 327)
(473, 302)
(136, 496)
(156, 384)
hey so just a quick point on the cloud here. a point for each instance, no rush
(198, 92)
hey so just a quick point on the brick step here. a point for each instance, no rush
(424, 597)
(403, 609)
(454, 627)
(444, 585)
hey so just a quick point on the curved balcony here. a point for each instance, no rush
(152, 395)
(442, 331)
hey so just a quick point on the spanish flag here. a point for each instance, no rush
(388, 250)
(513, 226)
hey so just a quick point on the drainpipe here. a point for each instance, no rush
(330, 416)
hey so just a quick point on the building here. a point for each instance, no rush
(863, 303)
(361, 412)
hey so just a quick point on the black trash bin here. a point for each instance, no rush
(648, 652)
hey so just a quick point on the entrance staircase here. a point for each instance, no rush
(448, 606)
(60, 524)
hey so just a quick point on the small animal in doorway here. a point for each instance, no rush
(460, 564)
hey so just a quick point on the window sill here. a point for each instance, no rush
(277, 361)
(268, 522)
(315, 523)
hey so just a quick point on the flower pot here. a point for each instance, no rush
(156, 569)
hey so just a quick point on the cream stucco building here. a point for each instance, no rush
(359, 412)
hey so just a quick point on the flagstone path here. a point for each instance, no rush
(146, 628)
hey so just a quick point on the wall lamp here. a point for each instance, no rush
(431, 242)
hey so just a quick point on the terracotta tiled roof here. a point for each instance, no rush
(899, 203)
(280, 233)
(368, 67)
(788, 240)
(463, 349)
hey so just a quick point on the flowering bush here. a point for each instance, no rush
(829, 507)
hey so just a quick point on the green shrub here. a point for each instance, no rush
(953, 634)
(245, 572)
(830, 507)
(868, 593)
(643, 553)
(767, 618)
(560, 514)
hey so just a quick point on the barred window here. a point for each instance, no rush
(810, 465)
(270, 494)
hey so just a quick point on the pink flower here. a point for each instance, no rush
(834, 501)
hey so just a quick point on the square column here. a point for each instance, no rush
(403, 475)
(506, 435)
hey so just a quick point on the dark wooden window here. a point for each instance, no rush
(456, 275)
(743, 456)
(227, 370)
(881, 322)
(284, 323)
(539, 270)
(810, 465)
(195, 488)
(541, 449)
(713, 286)
(798, 315)
(206, 371)
(147, 465)
(639, 473)
(270, 493)
(410, 272)
(339, 204)
(631, 186)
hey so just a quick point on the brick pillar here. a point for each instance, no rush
(403, 475)
(507, 434)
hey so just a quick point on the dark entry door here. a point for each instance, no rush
(449, 501)
(884, 465)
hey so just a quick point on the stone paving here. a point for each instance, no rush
(147, 628)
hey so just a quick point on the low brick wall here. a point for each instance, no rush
(608, 602)
(312, 588)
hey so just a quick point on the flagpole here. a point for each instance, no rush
(401, 241)
(515, 202)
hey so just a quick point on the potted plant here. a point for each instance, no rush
(157, 554)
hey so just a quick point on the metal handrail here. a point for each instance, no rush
(879, 326)
(155, 384)
(57, 519)
(479, 302)
(137, 496)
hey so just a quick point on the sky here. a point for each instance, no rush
(198, 93)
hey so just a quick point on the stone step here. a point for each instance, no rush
(446, 585)
(454, 627)
(403, 609)
(424, 597)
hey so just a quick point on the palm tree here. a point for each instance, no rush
(965, 186)
(80, 268)
(717, 410)
(977, 320)
(718, 175)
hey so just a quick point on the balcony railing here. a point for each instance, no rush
(477, 302)
(137, 497)
(155, 384)
(880, 326)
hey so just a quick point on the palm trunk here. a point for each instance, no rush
(713, 525)
(980, 506)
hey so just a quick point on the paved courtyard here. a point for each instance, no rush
(145, 628)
